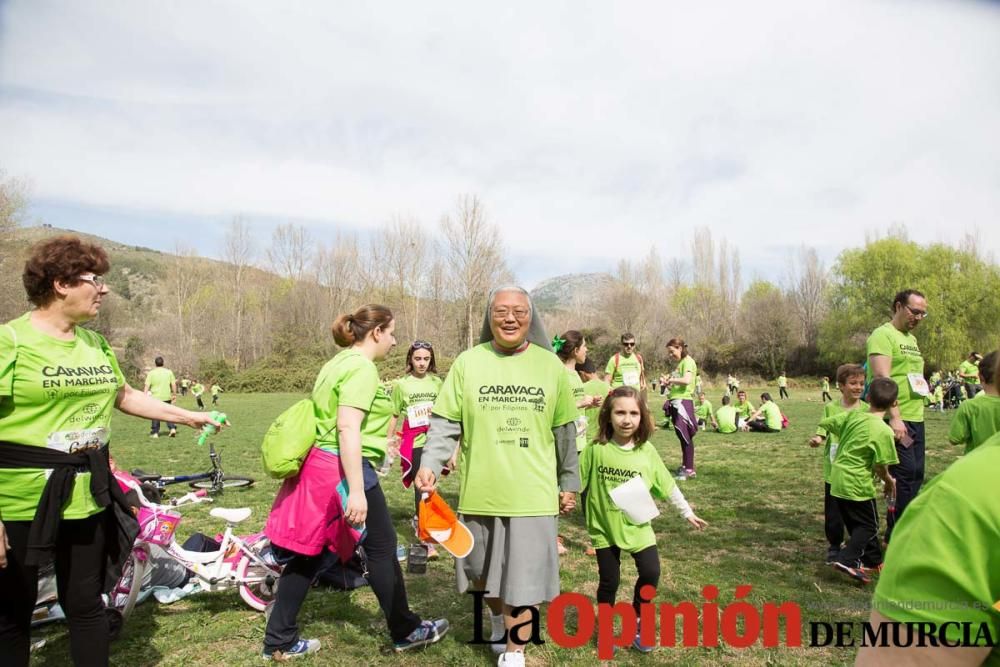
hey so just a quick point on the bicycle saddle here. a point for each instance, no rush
(144, 476)
(231, 515)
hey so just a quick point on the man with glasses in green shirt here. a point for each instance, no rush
(893, 352)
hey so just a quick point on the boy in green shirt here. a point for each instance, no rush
(826, 390)
(161, 385)
(216, 390)
(783, 386)
(703, 413)
(866, 446)
(744, 409)
(727, 418)
(197, 389)
(979, 418)
(851, 380)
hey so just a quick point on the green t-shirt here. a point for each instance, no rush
(198, 389)
(772, 415)
(629, 371)
(216, 390)
(865, 440)
(704, 411)
(830, 444)
(935, 377)
(351, 379)
(160, 381)
(782, 381)
(185, 383)
(414, 398)
(975, 421)
(745, 410)
(826, 386)
(949, 570)
(684, 392)
(606, 467)
(967, 368)
(579, 393)
(600, 388)
(55, 394)
(508, 406)
(726, 419)
(905, 360)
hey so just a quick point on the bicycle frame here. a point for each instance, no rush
(215, 474)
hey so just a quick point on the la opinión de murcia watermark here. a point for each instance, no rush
(739, 624)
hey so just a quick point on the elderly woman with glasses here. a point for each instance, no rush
(58, 384)
(509, 403)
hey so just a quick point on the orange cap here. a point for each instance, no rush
(437, 522)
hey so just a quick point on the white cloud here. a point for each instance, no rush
(772, 123)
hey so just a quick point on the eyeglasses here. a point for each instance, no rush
(93, 279)
(628, 344)
(519, 314)
(919, 314)
(421, 345)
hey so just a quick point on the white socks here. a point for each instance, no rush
(497, 627)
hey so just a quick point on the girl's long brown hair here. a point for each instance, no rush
(606, 430)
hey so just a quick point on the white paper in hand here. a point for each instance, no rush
(634, 499)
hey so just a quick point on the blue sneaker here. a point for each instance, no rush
(299, 649)
(427, 633)
(639, 646)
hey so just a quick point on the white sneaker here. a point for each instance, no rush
(515, 659)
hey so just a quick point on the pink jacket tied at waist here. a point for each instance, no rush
(308, 513)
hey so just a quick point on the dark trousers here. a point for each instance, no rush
(760, 426)
(80, 561)
(155, 428)
(826, 396)
(682, 415)
(783, 393)
(384, 576)
(417, 452)
(609, 565)
(908, 473)
(861, 520)
(833, 523)
(201, 404)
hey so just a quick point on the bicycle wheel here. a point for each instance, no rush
(260, 583)
(126, 590)
(228, 482)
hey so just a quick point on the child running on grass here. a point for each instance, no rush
(866, 446)
(197, 389)
(978, 418)
(851, 380)
(826, 390)
(621, 453)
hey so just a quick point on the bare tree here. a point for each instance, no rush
(238, 251)
(807, 292)
(474, 256)
(290, 252)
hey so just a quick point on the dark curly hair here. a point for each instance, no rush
(61, 258)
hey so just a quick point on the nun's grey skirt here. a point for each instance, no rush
(516, 556)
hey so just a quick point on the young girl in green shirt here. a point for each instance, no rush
(622, 452)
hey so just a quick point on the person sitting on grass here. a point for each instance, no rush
(866, 446)
(851, 380)
(767, 418)
(703, 413)
(979, 418)
(744, 409)
(727, 418)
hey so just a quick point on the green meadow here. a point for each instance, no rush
(762, 495)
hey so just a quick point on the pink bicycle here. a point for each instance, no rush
(241, 562)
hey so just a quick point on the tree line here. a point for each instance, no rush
(258, 317)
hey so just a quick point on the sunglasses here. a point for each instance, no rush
(628, 344)
(421, 345)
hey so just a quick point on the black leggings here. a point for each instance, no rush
(609, 562)
(783, 392)
(80, 561)
(417, 451)
(761, 426)
(384, 576)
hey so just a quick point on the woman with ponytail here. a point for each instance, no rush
(352, 415)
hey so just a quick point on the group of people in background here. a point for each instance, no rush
(510, 414)
(162, 385)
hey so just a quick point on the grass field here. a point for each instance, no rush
(761, 494)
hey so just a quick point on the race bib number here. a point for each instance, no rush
(630, 378)
(70, 442)
(833, 450)
(918, 384)
(419, 414)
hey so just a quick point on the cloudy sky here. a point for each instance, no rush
(591, 130)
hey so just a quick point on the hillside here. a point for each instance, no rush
(566, 291)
